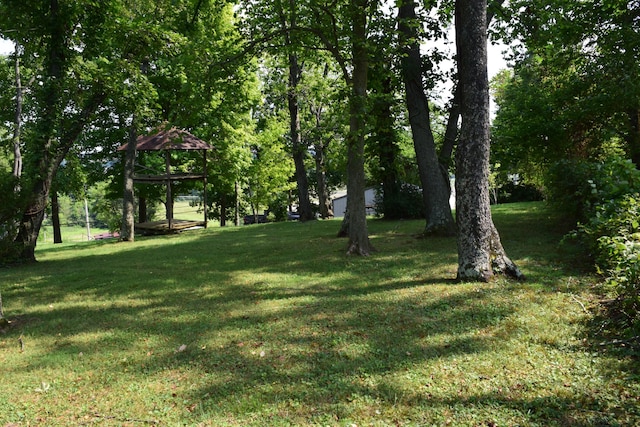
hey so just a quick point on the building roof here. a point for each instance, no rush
(169, 139)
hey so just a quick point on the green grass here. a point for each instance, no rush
(272, 324)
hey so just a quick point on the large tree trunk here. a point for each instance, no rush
(142, 209)
(298, 149)
(33, 215)
(359, 243)
(127, 231)
(435, 187)
(480, 253)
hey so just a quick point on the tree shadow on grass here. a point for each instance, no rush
(321, 340)
(315, 352)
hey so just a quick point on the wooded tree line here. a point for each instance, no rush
(298, 95)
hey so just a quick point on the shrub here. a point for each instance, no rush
(604, 200)
(578, 187)
(614, 234)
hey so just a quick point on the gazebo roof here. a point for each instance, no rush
(169, 139)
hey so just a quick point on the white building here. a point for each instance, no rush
(339, 202)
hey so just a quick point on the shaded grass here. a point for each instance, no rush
(273, 325)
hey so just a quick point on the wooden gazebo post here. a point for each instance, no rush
(204, 191)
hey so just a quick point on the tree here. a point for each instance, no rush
(435, 181)
(573, 92)
(78, 68)
(209, 87)
(480, 252)
(270, 26)
(322, 97)
(127, 231)
(93, 55)
(356, 211)
(60, 122)
(271, 167)
(299, 150)
(341, 30)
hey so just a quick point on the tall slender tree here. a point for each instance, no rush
(435, 183)
(356, 209)
(480, 252)
(298, 149)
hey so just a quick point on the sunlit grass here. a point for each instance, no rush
(274, 325)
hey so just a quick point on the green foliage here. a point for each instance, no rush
(271, 167)
(574, 91)
(106, 211)
(578, 187)
(614, 237)
(514, 192)
(10, 211)
(604, 198)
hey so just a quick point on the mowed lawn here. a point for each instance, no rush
(273, 325)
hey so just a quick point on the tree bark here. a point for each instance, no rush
(435, 188)
(223, 210)
(359, 243)
(451, 132)
(298, 149)
(480, 252)
(324, 200)
(17, 131)
(55, 217)
(127, 231)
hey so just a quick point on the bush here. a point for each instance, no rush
(614, 235)
(578, 187)
(603, 200)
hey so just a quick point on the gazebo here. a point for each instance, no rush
(165, 141)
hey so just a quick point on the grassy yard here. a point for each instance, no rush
(273, 325)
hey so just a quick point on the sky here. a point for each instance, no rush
(5, 47)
